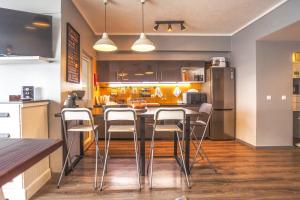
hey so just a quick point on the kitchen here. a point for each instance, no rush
(93, 55)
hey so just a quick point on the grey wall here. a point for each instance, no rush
(243, 57)
(87, 39)
(274, 77)
(171, 48)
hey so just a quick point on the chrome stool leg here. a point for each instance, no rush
(137, 158)
(66, 160)
(151, 160)
(208, 161)
(182, 160)
(96, 164)
(105, 161)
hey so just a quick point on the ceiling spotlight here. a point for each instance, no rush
(155, 28)
(170, 28)
(182, 27)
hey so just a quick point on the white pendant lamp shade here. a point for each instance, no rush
(105, 44)
(143, 44)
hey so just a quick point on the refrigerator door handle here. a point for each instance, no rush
(218, 109)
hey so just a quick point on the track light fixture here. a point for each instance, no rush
(155, 28)
(182, 27)
(169, 24)
(170, 28)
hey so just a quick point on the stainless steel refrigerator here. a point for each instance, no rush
(221, 93)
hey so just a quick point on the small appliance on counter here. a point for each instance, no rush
(70, 101)
(194, 98)
(74, 99)
(218, 62)
(27, 93)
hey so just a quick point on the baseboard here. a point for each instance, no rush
(245, 143)
(264, 147)
(37, 184)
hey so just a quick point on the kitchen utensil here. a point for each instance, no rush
(176, 91)
(158, 92)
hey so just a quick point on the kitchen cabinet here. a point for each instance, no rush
(136, 71)
(107, 71)
(296, 124)
(169, 71)
(26, 120)
(139, 71)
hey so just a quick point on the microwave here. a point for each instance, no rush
(194, 98)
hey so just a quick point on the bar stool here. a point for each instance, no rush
(79, 114)
(167, 114)
(120, 114)
(205, 109)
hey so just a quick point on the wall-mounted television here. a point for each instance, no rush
(25, 34)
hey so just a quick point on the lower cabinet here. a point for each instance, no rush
(26, 120)
(296, 124)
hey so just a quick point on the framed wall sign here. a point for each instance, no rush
(73, 55)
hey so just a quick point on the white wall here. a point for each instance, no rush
(243, 57)
(171, 48)
(274, 77)
(39, 74)
(50, 77)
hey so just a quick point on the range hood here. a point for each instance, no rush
(24, 59)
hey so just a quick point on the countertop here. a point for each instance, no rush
(161, 105)
(24, 102)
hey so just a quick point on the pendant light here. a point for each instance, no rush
(105, 43)
(143, 44)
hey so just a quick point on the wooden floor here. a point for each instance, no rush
(243, 173)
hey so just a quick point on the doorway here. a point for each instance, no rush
(87, 86)
(86, 79)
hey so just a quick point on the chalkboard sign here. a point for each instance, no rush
(73, 55)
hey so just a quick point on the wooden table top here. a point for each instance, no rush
(150, 111)
(17, 155)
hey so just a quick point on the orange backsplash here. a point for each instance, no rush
(124, 94)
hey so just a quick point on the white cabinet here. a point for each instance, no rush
(26, 120)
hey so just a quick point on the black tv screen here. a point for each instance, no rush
(25, 34)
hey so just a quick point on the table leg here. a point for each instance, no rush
(81, 139)
(187, 144)
(175, 145)
(1, 194)
(142, 145)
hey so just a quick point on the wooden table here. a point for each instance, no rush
(98, 112)
(17, 155)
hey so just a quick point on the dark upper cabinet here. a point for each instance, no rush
(136, 71)
(169, 71)
(107, 71)
(139, 71)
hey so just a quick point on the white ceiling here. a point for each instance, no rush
(289, 33)
(203, 17)
(35, 6)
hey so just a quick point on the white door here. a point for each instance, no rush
(86, 79)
